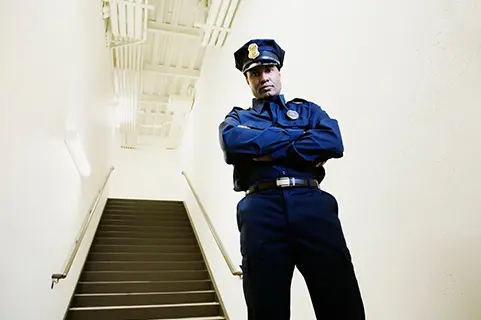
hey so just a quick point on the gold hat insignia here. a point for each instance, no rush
(253, 51)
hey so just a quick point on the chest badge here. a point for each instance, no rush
(292, 114)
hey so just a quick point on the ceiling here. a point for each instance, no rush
(158, 48)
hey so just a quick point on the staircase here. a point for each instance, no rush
(145, 264)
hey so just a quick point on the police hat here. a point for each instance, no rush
(259, 52)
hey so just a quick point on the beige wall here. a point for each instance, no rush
(403, 79)
(54, 74)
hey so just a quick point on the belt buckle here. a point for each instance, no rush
(284, 182)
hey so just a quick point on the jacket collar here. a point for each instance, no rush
(258, 104)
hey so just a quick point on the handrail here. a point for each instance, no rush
(56, 277)
(233, 269)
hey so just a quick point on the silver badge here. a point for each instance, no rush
(292, 114)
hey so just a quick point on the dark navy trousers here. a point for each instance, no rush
(282, 229)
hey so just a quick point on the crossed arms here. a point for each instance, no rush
(320, 142)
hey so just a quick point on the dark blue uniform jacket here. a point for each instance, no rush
(296, 145)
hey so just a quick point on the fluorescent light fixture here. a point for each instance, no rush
(77, 151)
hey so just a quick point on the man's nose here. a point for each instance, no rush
(264, 78)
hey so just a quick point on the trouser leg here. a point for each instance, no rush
(267, 256)
(323, 258)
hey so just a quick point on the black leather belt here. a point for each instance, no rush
(284, 182)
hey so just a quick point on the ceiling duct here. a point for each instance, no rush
(126, 33)
(158, 48)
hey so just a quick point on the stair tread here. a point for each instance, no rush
(128, 261)
(159, 248)
(143, 231)
(196, 318)
(148, 256)
(143, 281)
(146, 240)
(149, 226)
(176, 305)
(150, 253)
(137, 238)
(143, 245)
(144, 271)
(140, 293)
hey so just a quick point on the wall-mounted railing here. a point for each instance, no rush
(56, 277)
(234, 269)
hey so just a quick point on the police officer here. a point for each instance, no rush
(278, 149)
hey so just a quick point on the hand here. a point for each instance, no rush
(266, 157)
(321, 164)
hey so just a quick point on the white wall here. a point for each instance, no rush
(147, 173)
(403, 79)
(54, 74)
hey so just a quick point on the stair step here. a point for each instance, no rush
(111, 226)
(139, 209)
(145, 228)
(145, 234)
(140, 202)
(145, 207)
(143, 265)
(145, 312)
(119, 220)
(162, 215)
(144, 249)
(179, 212)
(143, 286)
(134, 256)
(149, 204)
(147, 217)
(155, 221)
(144, 241)
(196, 318)
(172, 275)
(146, 298)
(166, 208)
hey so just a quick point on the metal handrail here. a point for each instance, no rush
(233, 268)
(56, 277)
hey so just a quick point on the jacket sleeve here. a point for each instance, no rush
(322, 141)
(240, 143)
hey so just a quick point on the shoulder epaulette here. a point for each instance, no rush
(299, 101)
(240, 109)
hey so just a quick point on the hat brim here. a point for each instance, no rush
(260, 63)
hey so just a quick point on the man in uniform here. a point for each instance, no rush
(278, 149)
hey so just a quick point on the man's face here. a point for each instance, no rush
(265, 81)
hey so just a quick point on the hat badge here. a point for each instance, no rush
(253, 51)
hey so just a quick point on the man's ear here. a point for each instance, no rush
(247, 79)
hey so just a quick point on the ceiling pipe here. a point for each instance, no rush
(127, 59)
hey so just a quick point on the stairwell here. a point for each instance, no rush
(145, 264)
